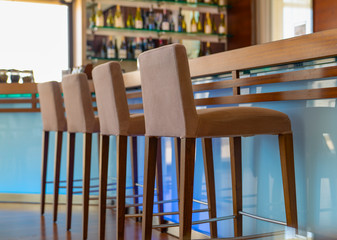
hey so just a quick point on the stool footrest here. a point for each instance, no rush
(255, 236)
(141, 204)
(196, 222)
(165, 213)
(262, 218)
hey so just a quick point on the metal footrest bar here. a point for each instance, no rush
(140, 185)
(141, 204)
(75, 180)
(201, 202)
(92, 186)
(114, 197)
(262, 218)
(255, 236)
(165, 213)
(196, 222)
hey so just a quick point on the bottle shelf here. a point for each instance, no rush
(169, 4)
(113, 59)
(130, 32)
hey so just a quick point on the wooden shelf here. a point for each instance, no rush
(111, 31)
(172, 5)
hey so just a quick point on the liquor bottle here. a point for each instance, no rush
(151, 20)
(138, 19)
(222, 25)
(99, 16)
(181, 22)
(165, 24)
(119, 22)
(104, 52)
(110, 19)
(138, 49)
(116, 48)
(123, 49)
(111, 49)
(221, 2)
(92, 19)
(194, 27)
(161, 42)
(145, 45)
(201, 50)
(208, 1)
(199, 27)
(208, 24)
(130, 54)
(208, 49)
(150, 44)
(129, 21)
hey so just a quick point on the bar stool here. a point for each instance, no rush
(115, 120)
(53, 119)
(169, 110)
(80, 119)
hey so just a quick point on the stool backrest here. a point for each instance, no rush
(112, 105)
(51, 105)
(168, 100)
(78, 103)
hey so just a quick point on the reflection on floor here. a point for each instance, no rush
(23, 221)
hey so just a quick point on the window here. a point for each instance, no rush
(34, 36)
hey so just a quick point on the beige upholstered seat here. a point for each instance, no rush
(112, 103)
(170, 110)
(80, 119)
(53, 119)
(51, 105)
(116, 120)
(78, 104)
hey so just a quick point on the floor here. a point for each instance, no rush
(23, 221)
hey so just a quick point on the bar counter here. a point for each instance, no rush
(297, 76)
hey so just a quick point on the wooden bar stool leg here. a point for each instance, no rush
(70, 175)
(186, 187)
(177, 159)
(57, 167)
(288, 176)
(45, 144)
(121, 184)
(149, 181)
(87, 141)
(236, 169)
(103, 178)
(159, 181)
(134, 169)
(210, 183)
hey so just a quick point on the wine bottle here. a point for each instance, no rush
(194, 27)
(119, 22)
(99, 16)
(123, 49)
(208, 49)
(214, 28)
(129, 21)
(180, 22)
(165, 24)
(201, 50)
(116, 48)
(110, 19)
(199, 24)
(151, 20)
(138, 19)
(208, 24)
(172, 25)
(111, 49)
(104, 51)
(222, 25)
(138, 49)
(92, 19)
